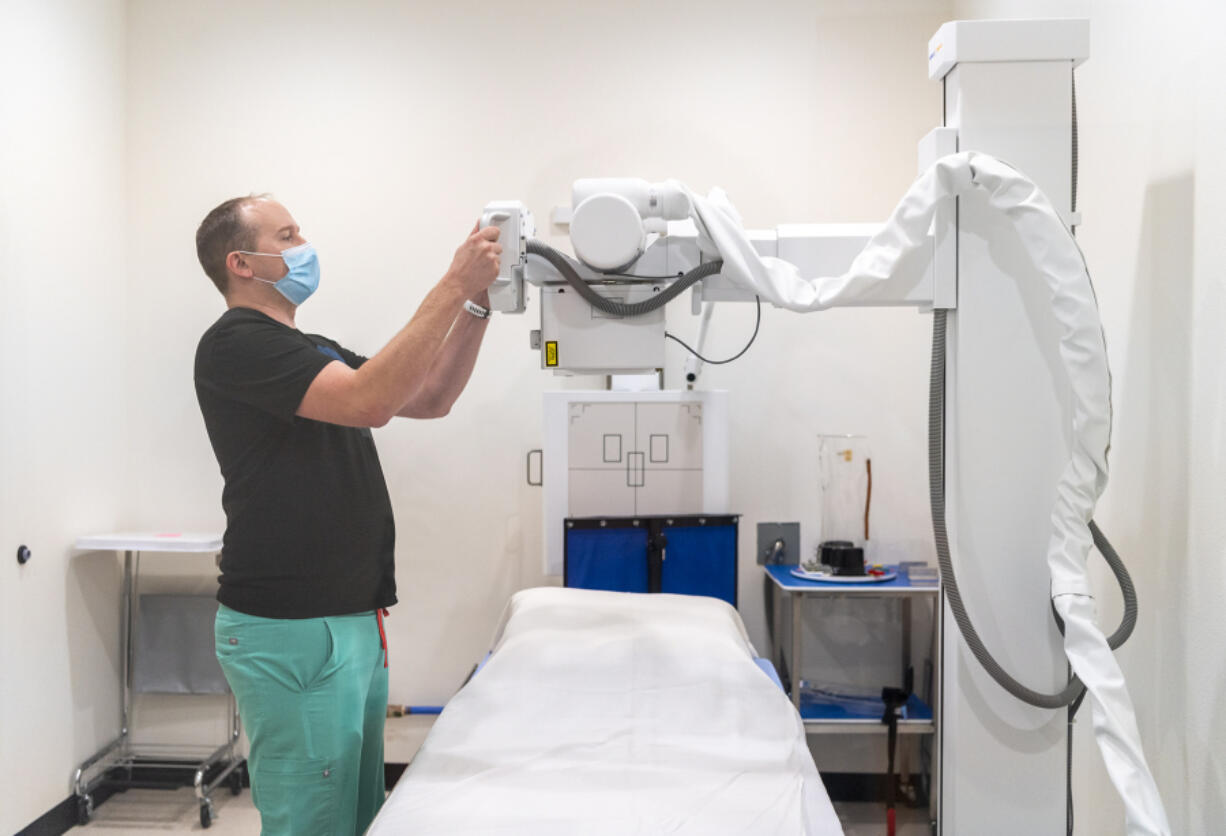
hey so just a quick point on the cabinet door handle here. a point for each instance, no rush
(631, 480)
(540, 468)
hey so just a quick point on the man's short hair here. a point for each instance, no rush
(223, 231)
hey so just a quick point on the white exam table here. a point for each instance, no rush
(614, 713)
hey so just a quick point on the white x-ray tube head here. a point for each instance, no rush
(667, 200)
(607, 232)
(612, 216)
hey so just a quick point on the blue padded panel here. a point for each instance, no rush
(607, 558)
(700, 560)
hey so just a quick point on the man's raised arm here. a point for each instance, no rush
(371, 395)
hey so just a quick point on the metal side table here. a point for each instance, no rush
(856, 716)
(121, 764)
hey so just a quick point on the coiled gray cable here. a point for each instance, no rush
(610, 306)
(936, 492)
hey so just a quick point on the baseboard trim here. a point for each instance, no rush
(63, 816)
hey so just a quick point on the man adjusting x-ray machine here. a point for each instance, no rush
(1020, 411)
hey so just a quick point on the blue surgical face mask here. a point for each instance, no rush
(303, 276)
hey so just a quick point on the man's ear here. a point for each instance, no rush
(237, 264)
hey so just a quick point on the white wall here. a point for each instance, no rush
(63, 434)
(1153, 125)
(385, 127)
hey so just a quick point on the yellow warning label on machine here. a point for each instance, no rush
(551, 353)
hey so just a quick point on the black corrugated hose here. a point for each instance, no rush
(949, 581)
(610, 306)
(1073, 693)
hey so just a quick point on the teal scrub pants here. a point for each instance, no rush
(312, 695)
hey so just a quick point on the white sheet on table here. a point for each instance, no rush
(614, 713)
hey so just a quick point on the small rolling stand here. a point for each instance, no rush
(899, 711)
(174, 658)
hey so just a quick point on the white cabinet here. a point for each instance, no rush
(670, 434)
(599, 435)
(670, 492)
(634, 458)
(627, 453)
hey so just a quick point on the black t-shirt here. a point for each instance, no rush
(309, 529)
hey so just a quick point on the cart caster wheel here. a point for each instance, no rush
(85, 809)
(206, 814)
(236, 781)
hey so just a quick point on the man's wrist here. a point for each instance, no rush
(454, 285)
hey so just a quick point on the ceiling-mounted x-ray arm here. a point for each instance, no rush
(885, 271)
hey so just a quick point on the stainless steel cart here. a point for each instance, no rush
(123, 765)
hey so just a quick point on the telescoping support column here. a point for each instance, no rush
(1007, 92)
